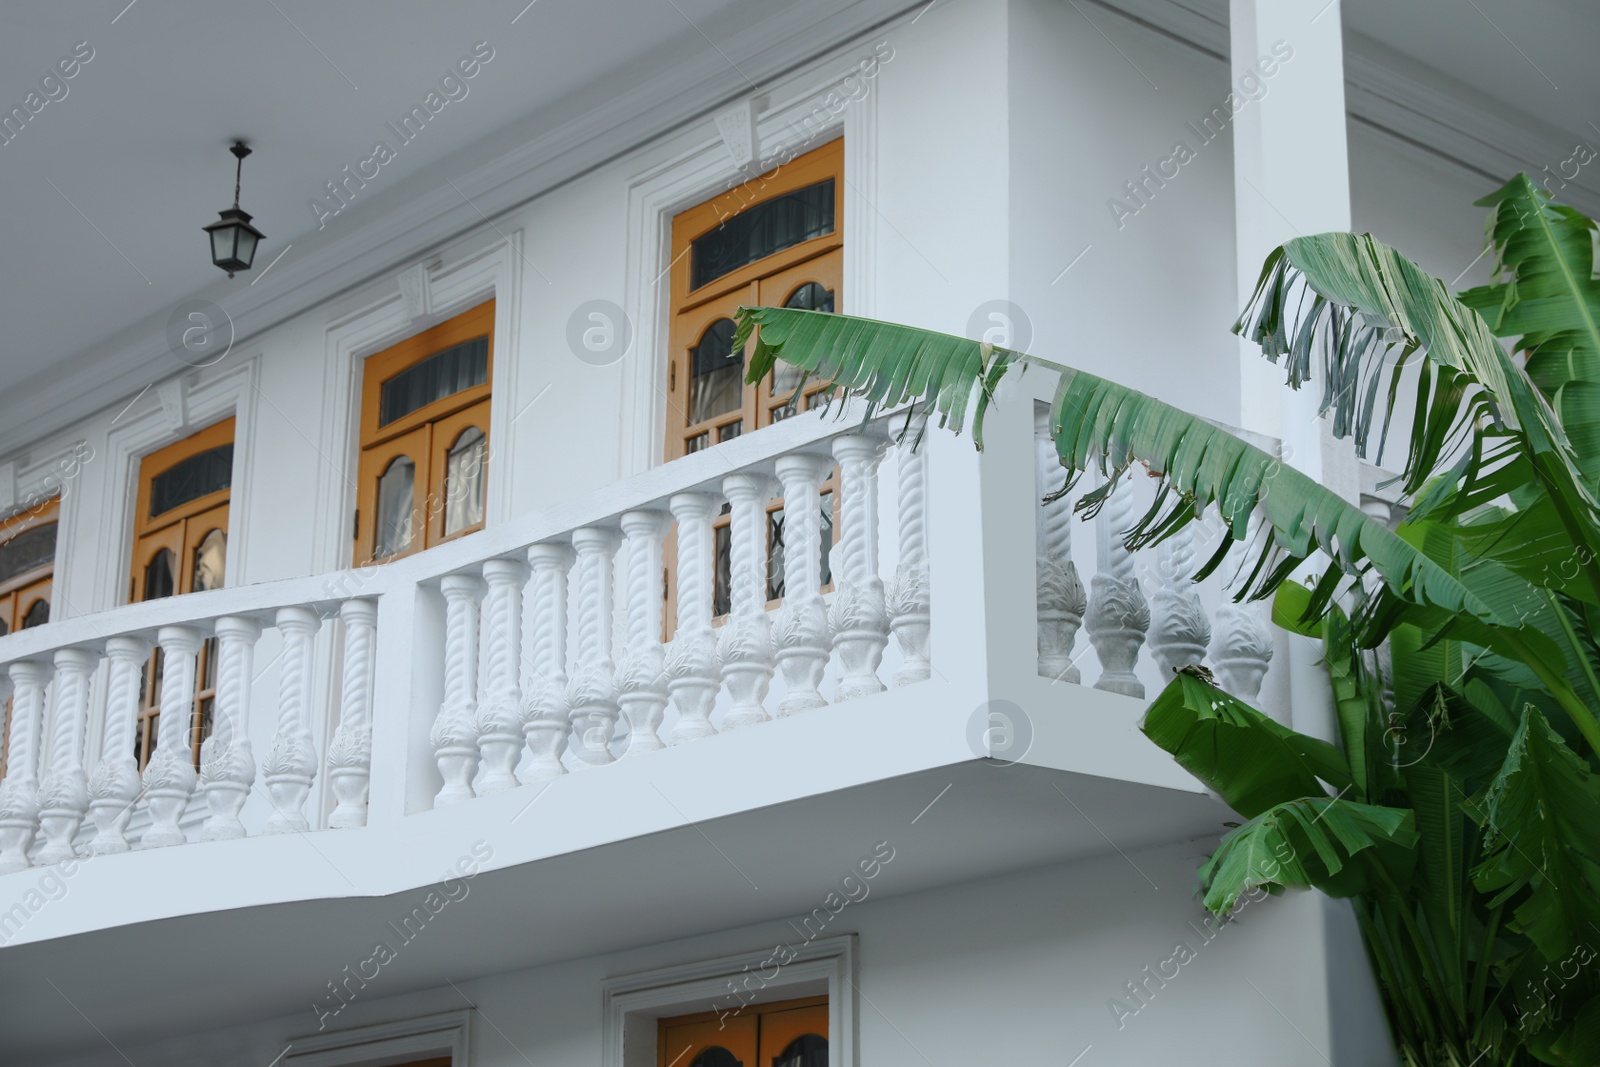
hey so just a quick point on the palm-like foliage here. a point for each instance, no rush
(1472, 851)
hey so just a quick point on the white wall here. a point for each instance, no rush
(1016, 969)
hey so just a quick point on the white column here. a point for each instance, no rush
(227, 764)
(801, 628)
(693, 669)
(114, 786)
(545, 722)
(745, 644)
(1059, 599)
(859, 617)
(909, 597)
(64, 796)
(641, 683)
(1241, 643)
(19, 794)
(291, 765)
(455, 730)
(499, 717)
(1118, 615)
(350, 751)
(169, 777)
(1179, 626)
(592, 692)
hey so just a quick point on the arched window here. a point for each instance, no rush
(792, 1033)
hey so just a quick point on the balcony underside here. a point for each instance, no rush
(748, 827)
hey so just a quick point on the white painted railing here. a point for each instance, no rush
(535, 649)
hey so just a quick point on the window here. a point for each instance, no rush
(790, 1034)
(777, 240)
(425, 438)
(180, 545)
(27, 579)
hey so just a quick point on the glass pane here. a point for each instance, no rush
(779, 223)
(464, 481)
(191, 479)
(730, 431)
(442, 374)
(29, 549)
(786, 376)
(722, 573)
(209, 559)
(205, 719)
(717, 1056)
(716, 374)
(775, 559)
(827, 538)
(5, 627)
(697, 442)
(158, 576)
(37, 615)
(807, 1050)
(394, 508)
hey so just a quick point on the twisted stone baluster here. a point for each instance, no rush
(1241, 647)
(693, 669)
(1058, 591)
(227, 764)
(350, 751)
(545, 722)
(19, 793)
(641, 681)
(1179, 630)
(114, 786)
(908, 596)
(592, 694)
(499, 717)
(64, 796)
(169, 777)
(291, 765)
(801, 627)
(745, 644)
(455, 732)
(859, 616)
(1118, 615)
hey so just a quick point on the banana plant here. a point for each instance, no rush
(1471, 851)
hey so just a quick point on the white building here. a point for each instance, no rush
(464, 806)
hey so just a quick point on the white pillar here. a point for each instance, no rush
(455, 730)
(169, 777)
(19, 794)
(544, 713)
(291, 765)
(745, 644)
(693, 668)
(64, 796)
(592, 690)
(801, 628)
(114, 786)
(499, 718)
(227, 764)
(641, 685)
(350, 751)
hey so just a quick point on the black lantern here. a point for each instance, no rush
(233, 239)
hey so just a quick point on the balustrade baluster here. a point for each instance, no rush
(64, 796)
(455, 732)
(641, 681)
(114, 786)
(1118, 615)
(499, 717)
(909, 599)
(801, 627)
(591, 692)
(1059, 598)
(350, 751)
(19, 793)
(169, 777)
(859, 616)
(1241, 645)
(693, 668)
(545, 722)
(745, 644)
(1179, 629)
(227, 764)
(291, 765)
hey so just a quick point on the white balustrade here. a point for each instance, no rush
(455, 730)
(291, 765)
(1058, 591)
(1179, 627)
(19, 793)
(114, 785)
(909, 599)
(169, 777)
(64, 794)
(693, 668)
(592, 691)
(1118, 614)
(499, 715)
(859, 616)
(350, 751)
(745, 644)
(641, 676)
(545, 722)
(227, 762)
(801, 627)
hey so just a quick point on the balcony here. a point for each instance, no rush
(510, 693)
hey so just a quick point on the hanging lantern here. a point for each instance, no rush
(233, 239)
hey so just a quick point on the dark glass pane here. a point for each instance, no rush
(730, 431)
(440, 375)
(775, 558)
(4, 628)
(205, 720)
(154, 721)
(811, 297)
(141, 748)
(464, 481)
(28, 550)
(722, 573)
(696, 443)
(209, 558)
(158, 576)
(37, 615)
(817, 400)
(827, 538)
(807, 1050)
(786, 377)
(191, 479)
(717, 1057)
(394, 519)
(779, 223)
(716, 373)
